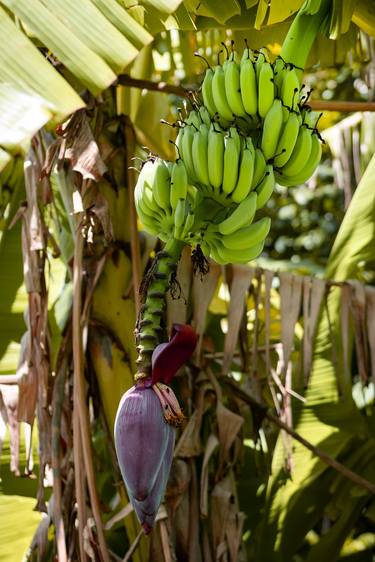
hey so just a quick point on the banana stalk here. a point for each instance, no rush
(156, 284)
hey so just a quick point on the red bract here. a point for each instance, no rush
(168, 357)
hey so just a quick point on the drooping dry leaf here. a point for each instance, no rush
(9, 414)
(267, 298)
(234, 532)
(203, 290)
(211, 445)
(358, 307)
(345, 327)
(257, 294)
(221, 499)
(28, 384)
(83, 151)
(229, 424)
(370, 322)
(195, 553)
(241, 280)
(177, 307)
(290, 304)
(313, 292)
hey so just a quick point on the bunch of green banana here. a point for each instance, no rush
(223, 166)
(164, 199)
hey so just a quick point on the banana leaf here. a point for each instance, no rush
(329, 419)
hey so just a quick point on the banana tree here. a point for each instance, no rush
(95, 230)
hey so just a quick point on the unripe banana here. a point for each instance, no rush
(259, 168)
(205, 116)
(261, 59)
(243, 214)
(179, 218)
(266, 187)
(219, 96)
(231, 159)
(271, 129)
(239, 256)
(279, 70)
(186, 147)
(200, 153)
(245, 176)
(189, 221)
(308, 170)
(194, 118)
(287, 141)
(232, 87)
(300, 154)
(290, 89)
(266, 89)
(208, 98)
(249, 236)
(215, 158)
(161, 185)
(179, 183)
(249, 88)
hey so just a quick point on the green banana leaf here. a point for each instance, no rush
(329, 419)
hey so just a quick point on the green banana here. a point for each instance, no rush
(300, 154)
(189, 221)
(179, 183)
(205, 115)
(232, 87)
(249, 236)
(161, 185)
(246, 171)
(271, 129)
(219, 96)
(266, 89)
(238, 256)
(208, 98)
(279, 69)
(290, 89)
(287, 141)
(243, 214)
(194, 118)
(179, 218)
(259, 168)
(308, 170)
(231, 159)
(186, 149)
(266, 187)
(215, 156)
(261, 59)
(200, 154)
(248, 87)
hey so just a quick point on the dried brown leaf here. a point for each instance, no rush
(229, 424)
(370, 322)
(83, 151)
(177, 307)
(241, 280)
(211, 446)
(290, 304)
(269, 275)
(203, 290)
(358, 307)
(313, 292)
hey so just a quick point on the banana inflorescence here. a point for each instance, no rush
(252, 129)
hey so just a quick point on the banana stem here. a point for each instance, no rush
(302, 34)
(149, 329)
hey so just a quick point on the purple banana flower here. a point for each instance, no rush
(144, 436)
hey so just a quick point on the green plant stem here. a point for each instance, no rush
(149, 329)
(302, 34)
